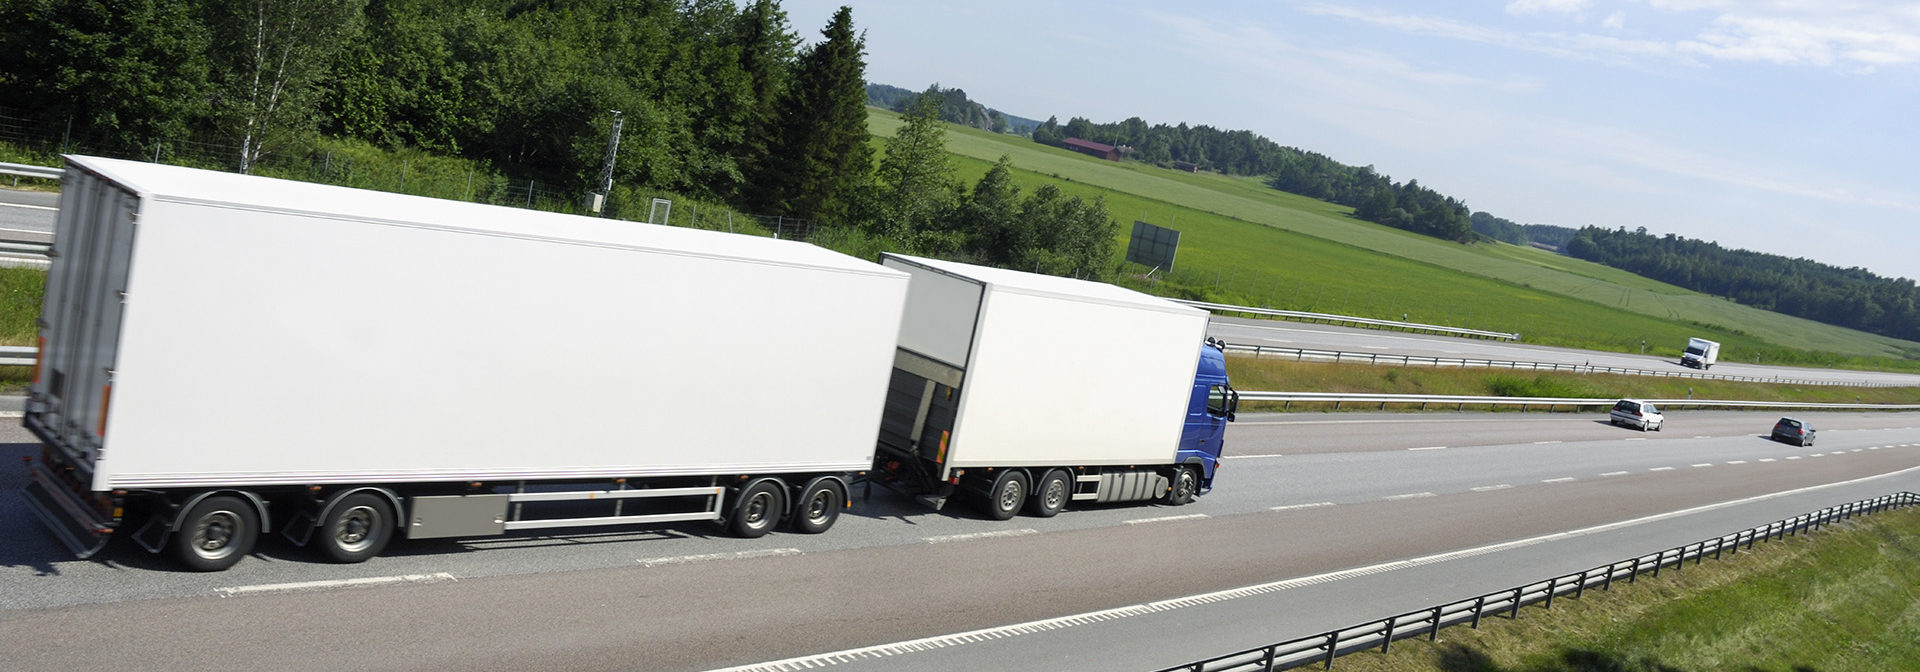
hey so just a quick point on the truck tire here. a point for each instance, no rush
(1009, 491)
(358, 527)
(1051, 496)
(820, 504)
(1183, 486)
(216, 533)
(757, 510)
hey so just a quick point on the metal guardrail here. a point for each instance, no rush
(1349, 319)
(1459, 402)
(1381, 634)
(1340, 357)
(22, 355)
(25, 170)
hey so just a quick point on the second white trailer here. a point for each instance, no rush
(1009, 384)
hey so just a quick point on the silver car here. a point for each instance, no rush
(1636, 413)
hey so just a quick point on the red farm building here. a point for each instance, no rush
(1091, 148)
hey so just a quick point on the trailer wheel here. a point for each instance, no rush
(1184, 484)
(1052, 495)
(1009, 491)
(358, 528)
(757, 510)
(215, 534)
(820, 504)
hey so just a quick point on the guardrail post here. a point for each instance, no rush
(1434, 635)
(1516, 603)
(1333, 647)
(1387, 640)
(1553, 586)
(1479, 604)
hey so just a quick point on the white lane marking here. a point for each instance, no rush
(1295, 507)
(1638, 439)
(1661, 469)
(1430, 448)
(1768, 459)
(1162, 519)
(12, 414)
(1737, 462)
(1377, 347)
(711, 557)
(1855, 450)
(1702, 436)
(1453, 352)
(1873, 448)
(1249, 457)
(1793, 457)
(1702, 464)
(1544, 443)
(1410, 495)
(1614, 473)
(1558, 480)
(949, 538)
(335, 583)
(30, 207)
(1490, 488)
(1818, 455)
(1064, 622)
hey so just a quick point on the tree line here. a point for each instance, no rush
(1507, 231)
(719, 100)
(1847, 297)
(1374, 197)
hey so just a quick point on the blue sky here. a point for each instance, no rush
(1783, 126)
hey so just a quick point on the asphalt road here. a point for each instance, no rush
(27, 215)
(1325, 337)
(1302, 496)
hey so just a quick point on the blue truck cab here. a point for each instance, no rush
(1211, 406)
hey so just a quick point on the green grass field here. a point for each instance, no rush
(1242, 242)
(1841, 598)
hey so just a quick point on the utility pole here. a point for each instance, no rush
(606, 166)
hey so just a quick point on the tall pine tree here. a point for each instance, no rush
(821, 167)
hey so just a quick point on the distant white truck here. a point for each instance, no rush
(1701, 353)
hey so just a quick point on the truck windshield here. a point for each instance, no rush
(1692, 350)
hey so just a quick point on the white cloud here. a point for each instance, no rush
(1851, 36)
(1554, 6)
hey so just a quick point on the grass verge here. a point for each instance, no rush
(1843, 598)
(1284, 375)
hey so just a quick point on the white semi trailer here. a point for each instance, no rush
(1031, 391)
(227, 355)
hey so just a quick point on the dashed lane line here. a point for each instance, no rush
(714, 557)
(1614, 473)
(439, 577)
(1490, 488)
(950, 538)
(1661, 469)
(1162, 519)
(1410, 495)
(1296, 507)
(1562, 479)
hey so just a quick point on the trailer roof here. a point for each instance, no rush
(218, 189)
(1049, 285)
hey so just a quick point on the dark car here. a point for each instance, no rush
(1789, 430)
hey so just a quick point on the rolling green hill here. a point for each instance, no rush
(1243, 242)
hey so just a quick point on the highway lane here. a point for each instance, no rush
(1325, 337)
(27, 215)
(677, 598)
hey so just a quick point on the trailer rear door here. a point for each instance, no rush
(80, 320)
